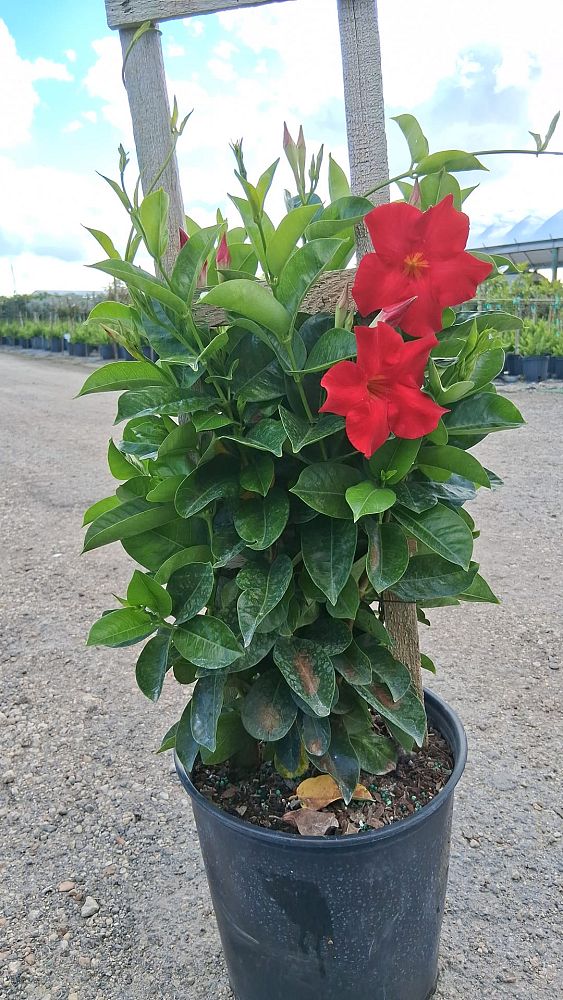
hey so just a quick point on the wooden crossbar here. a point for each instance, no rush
(126, 13)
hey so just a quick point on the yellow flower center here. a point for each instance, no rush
(414, 264)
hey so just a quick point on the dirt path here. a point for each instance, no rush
(82, 798)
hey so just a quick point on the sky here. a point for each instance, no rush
(477, 75)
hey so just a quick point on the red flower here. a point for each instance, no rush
(418, 253)
(380, 393)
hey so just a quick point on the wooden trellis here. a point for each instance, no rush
(363, 95)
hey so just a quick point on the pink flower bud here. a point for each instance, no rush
(287, 140)
(344, 306)
(183, 237)
(394, 313)
(301, 139)
(223, 258)
(416, 195)
(202, 280)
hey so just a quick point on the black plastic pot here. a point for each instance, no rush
(56, 344)
(556, 366)
(337, 918)
(37, 343)
(79, 350)
(513, 363)
(535, 368)
(107, 352)
(123, 354)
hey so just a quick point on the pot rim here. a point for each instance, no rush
(457, 739)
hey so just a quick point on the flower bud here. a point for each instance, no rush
(223, 258)
(183, 237)
(416, 195)
(394, 313)
(345, 310)
(202, 279)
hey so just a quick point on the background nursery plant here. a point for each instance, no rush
(287, 479)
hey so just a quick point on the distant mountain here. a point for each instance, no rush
(527, 230)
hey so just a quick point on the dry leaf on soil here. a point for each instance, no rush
(311, 823)
(314, 793)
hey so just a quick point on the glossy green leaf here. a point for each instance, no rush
(130, 518)
(323, 486)
(100, 507)
(268, 711)
(165, 399)
(301, 272)
(482, 414)
(262, 590)
(249, 299)
(232, 738)
(388, 554)
(430, 576)
(207, 642)
(315, 734)
(449, 159)
(153, 216)
(120, 627)
(338, 183)
(152, 548)
(454, 460)
(105, 242)
(190, 261)
(436, 186)
(147, 593)
(369, 623)
(347, 603)
(169, 739)
(119, 375)
(301, 433)
(386, 669)
(407, 713)
(479, 592)
(340, 761)
(186, 747)
(258, 376)
(150, 670)
(267, 435)
(189, 589)
(441, 530)
(135, 277)
(290, 757)
(287, 235)
(192, 554)
(329, 547)
(165, 491)
(427, 664)
(376, 754)
(417, 141)
(367, 498)
(219, 478)
(258, 475)
(353, 664)
(394, 459)
(488, 365)
(308, 671)
(207, 702)
(333, 346)
(261, 521)
(339, 217)
(332, 635)
(120, 466)
(416, 496)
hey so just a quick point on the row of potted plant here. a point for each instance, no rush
(79, 341)
(537, 352)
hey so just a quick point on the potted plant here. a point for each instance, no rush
(78, 343)
(293, 475)
(535, 346)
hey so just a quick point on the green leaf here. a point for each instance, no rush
(268, 711)
(394, 459)
(416, 496)
(479, 592)
(146, 593)
(261, 521)
(338, 184)
(449, 159)
(347, 603)
(190, 262)
(340, 761)
(286, 236)
(207, 702)
(118, 375)
(386, 669)
(262, 590)
(135, 277)
(407, 713)
(267, 435)
(308, 671)
(207, 642)
(369, 623)
(219, 478)
(441, 530)
(249, 299)
(232, 738)
(258, 476)
(186, 747)
(417, 141)
(119, 627)
(130, 518)
(427, 664)
(153, 216)
(454, 460)
(329, 547)
(454, 392)
(488, 365)
(100, 507)
(290, 759)
(165, 491)
(430, 576)
(166, 400)
(210, 421)
(435, 187)
(151, 666)
(258, 377)
(482, 414)
(152, 548)
(301, 433)
(339, 217)
(388, 554)
(333, 346)
(440, 435)
(323, 486)
(315, 734)
(376, 754)
(333, 636)
(192, 554)
(301, 272)
(353, 664)
(189, 589)
(169, 740)
(366, 498)
(105, 243)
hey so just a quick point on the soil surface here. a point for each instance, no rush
(102, 890)
(266, 799)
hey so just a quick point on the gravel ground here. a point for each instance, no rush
(93, 823)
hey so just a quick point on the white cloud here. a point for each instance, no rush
(224, 50)
(221, 70)
(70, 55)
(103, 81)
(19, 96)
(90, 116)
(194, 25)
(175, 51)
(73, 126)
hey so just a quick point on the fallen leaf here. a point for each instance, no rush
(311, 823)
(315, 793)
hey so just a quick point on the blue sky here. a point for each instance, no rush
(477, 81)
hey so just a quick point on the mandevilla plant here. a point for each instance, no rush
(284, 474)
